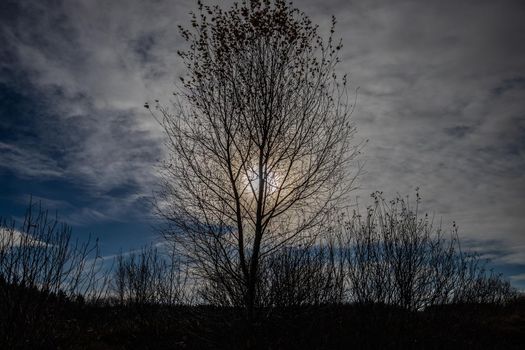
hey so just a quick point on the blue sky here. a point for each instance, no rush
(441, 101)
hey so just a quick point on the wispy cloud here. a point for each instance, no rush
(518, 278)
(12, 238)
(28, 163)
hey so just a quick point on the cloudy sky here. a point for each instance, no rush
(441, 101)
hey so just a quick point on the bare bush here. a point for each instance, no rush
(395, 256)
(148, 277)
(40, 265)
(304, 275)
(477, 284)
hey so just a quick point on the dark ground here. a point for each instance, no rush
(75, 325)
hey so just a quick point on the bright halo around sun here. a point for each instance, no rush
(252, 179)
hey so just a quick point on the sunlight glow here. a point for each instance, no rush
(252, 180)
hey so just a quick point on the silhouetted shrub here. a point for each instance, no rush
(41, 268)
(147, 277)
(395, 256)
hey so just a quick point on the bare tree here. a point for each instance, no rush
(259, 139)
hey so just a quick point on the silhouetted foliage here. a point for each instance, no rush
(305, 275)
(40, 269)
(395, 256)
(147, 277)
(388, 279)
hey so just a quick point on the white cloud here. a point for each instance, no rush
(28, 163)
(12, 238)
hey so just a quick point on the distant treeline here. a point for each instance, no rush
(390, 255)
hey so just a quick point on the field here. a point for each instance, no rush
(65, 324)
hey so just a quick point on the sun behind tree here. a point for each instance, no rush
(260, 142)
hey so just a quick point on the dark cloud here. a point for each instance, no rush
(458, 131)
(509, 84)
